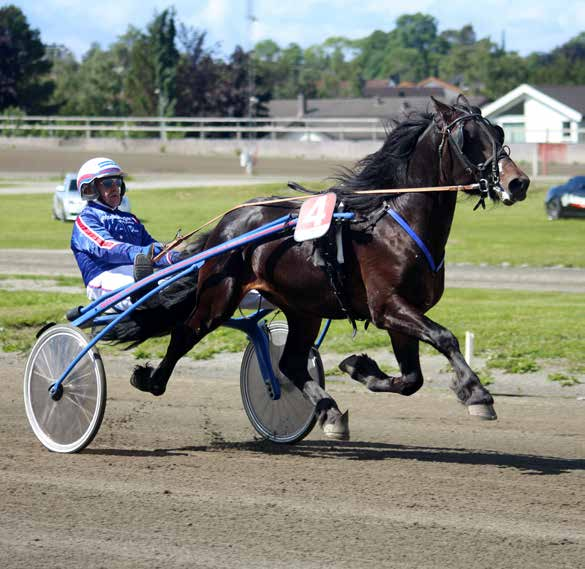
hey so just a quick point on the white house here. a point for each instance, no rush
(540, 113)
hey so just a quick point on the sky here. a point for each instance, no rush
(527, 25)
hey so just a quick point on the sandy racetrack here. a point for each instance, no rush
(181, 481)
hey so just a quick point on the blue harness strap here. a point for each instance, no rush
(402, 222)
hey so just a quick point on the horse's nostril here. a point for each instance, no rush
(517, 188)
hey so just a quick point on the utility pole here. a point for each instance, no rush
(247, 158)
(252, 100)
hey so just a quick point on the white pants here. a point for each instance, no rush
(111, 280)
(123, 276)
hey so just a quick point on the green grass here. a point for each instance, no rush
(58, 280)
(518, 235)
(27, 221)
(509, 326)
(564, 379)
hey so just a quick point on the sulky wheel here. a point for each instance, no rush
(67, 421)
(289, 418)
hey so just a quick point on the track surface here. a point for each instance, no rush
(180, 481)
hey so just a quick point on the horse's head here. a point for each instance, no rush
(472, 151)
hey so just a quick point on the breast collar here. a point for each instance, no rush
(435, 268)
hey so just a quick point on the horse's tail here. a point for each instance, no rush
(173, 304)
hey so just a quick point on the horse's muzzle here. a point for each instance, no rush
(515, 190)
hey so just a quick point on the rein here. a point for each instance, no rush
(180, 238)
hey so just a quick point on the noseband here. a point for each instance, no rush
(486, 174)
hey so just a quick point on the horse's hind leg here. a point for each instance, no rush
(365, 370)
(151, 380)
(215, 305)
(302, 332)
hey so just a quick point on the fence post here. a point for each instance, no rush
(469, 345)
(535, 160)
(163, 132)
(88, 131)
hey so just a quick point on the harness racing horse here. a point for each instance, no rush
(393, 268)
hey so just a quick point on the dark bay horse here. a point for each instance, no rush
(392, 276)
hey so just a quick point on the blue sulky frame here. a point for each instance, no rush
(253, 325)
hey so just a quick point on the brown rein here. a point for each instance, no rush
(170, 246)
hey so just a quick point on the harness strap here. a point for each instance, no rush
(403, 223)
(327, 252)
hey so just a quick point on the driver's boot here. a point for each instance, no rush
(143, 268)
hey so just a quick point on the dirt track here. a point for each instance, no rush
(181, 482)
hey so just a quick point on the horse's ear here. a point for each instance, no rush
(444, 114)
(462, 100)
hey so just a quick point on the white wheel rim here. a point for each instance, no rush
(68, 424)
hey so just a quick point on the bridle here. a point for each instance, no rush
(486, 174)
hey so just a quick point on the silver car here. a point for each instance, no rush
(67, 203)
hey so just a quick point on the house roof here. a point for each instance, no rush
(571, 95)
(387, 91)
(371, 107)
(436, 82)
(568, 100)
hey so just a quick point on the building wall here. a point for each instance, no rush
(544, 124)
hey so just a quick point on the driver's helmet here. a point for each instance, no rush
(93, 170)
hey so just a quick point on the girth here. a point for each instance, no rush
(328, 253)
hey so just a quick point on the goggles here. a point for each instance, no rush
(109, 183)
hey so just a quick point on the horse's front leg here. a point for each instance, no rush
(398, 316)
(365, 370)
(302, 332)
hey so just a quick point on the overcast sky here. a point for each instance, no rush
(529, 25)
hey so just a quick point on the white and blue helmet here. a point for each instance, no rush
(93, 170)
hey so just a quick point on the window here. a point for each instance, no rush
(566, 130)
(514, 132)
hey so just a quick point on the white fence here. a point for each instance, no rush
(168, 127)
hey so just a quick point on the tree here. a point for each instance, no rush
(162, 33)
(198, 76)
(23, 64)
(64, 74)
(99, 85)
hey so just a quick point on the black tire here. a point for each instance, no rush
(292, 417)
(554, 209)
(68, 424)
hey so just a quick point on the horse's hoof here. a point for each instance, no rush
(142, 380)
(339, 429)
(482, 411)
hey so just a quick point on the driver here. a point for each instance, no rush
(106, 240)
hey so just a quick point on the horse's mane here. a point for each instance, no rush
(388, 167)
(385, 168)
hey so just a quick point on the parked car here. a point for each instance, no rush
(67, 202)
(567, 200)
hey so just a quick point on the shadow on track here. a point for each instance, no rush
(364, 451)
